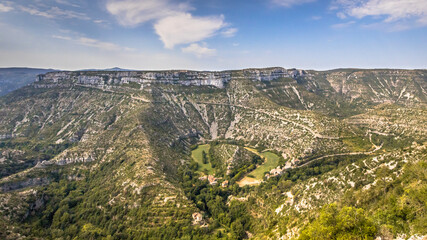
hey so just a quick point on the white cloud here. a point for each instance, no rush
(62, 37)
(5, 8)
(199, 51)
(184, 28)
(290, 3)
(390, 11)
(36, 12)
(172, 22)
(90, 42)
(229, 32)
(65, 2)
(134, 12)
(54, 12)
(343, 25)
(100, 21)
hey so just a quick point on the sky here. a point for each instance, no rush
(213, 34)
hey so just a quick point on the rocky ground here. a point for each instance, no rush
(109, 149)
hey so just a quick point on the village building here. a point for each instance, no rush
(224, 184)
(212, 180)
(197, 218)
(276, 171)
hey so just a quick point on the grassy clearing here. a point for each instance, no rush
(271, 161)
(196, 154)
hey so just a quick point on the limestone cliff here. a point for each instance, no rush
(146, 78)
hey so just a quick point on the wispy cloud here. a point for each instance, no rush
(199, 51)
(134, 12)
(41, 10)
(90, 42)
(229, 32)
(35, 12)
(67, 3)
(395, 12)
(172, 21)
(101, 22)
(5, 7)
(290, 3)
(343, 25)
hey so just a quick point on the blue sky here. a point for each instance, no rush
(213, 34)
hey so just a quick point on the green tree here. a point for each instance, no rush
(238, 229)
(204, 157)
(345, 223)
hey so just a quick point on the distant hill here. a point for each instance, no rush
(14, 78)
(114, 69)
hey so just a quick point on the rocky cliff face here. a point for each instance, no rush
(303, 89)
(193, 78)
(379, 86)
(23, 184)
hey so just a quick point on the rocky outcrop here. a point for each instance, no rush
(23, 184)
(39, 203)
(147, 78)
(67, 157)
(271, 74)
(378, 86)
(74, 158)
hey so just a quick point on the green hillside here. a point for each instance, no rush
(114, 155)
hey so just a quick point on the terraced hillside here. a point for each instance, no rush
(169, 155)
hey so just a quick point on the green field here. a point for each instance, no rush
(271, 161)
(197, 156)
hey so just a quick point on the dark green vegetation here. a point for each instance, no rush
(346, 223)
(96, 155)
(393, 207)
